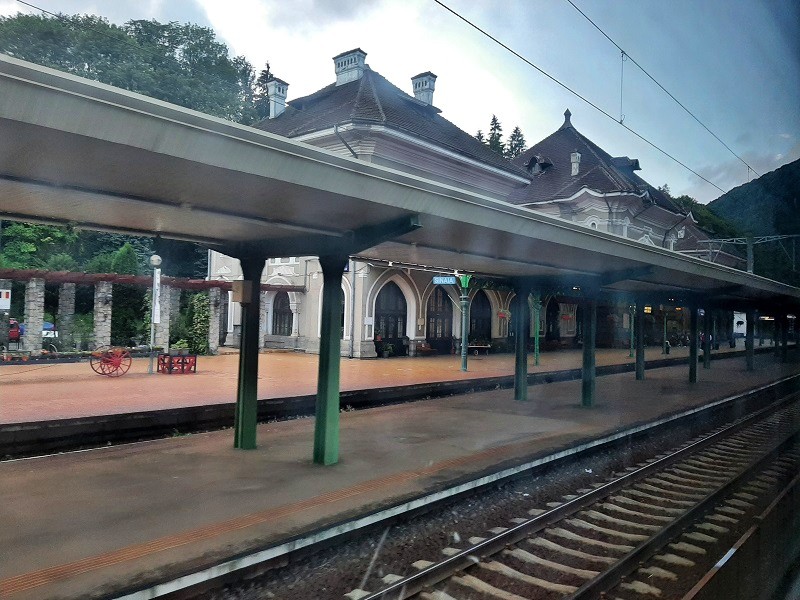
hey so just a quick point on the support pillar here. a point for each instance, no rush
(639, 326)
(262, 320)
(749, 340)
(521, 311)
(693, 344)
(464, 280)
(165, 304)
(784, 338)
(34, 316)
(589, 375)
(326, 426)
(103, 302)
(214, 306)
(66, 315)
(246, 415)
(5, 284)
(537, 311)
(707, 339)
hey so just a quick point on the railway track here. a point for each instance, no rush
(653, 531)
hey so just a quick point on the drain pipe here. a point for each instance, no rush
(341, 139)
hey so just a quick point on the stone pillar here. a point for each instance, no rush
(102, 314)
(214, 306)
(34, 316)
(5, 284)
(295, 308)
(162, 328)
(66, 315)
(262, 320)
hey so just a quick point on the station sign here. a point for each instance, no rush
(5, 299)
(442, 280)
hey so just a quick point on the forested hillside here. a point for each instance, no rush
(765, 206)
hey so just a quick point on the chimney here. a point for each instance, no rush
(575, 158)
(349, 66)
(423, 85)
(276, 93)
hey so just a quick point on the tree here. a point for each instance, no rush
(261, 93)
(179, 63)
(516, 143)
(496, 136)
(480, 137)
(128, 309)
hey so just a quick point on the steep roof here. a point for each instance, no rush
(373, 99)
(599, 171)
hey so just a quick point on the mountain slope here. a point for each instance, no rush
(769, 205)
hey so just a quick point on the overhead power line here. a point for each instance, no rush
(665, 90)
(574, 93)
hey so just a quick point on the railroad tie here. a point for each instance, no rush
(640, 588)
(659, 573)
(568, 535)
(674, 559)
(688, 548)
(532, 559)
(594, 514)
(547, 544)
(436, 595)
(631, 537)
(502, 569)
(634, 513)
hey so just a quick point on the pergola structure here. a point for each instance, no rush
(76, 151)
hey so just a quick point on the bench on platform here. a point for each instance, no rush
(173, 364)
(475, 348)
(424, 349)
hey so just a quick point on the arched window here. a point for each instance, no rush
(390, 317)
(439, 333)
(480, 318)
(281, 315)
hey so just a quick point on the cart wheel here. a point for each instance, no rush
(117, 361)
(96, 359)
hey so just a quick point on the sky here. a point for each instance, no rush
(734, 63)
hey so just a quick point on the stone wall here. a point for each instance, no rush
(162, 328)
(5, 284)
(215, 306)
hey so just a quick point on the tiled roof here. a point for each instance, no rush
(599, 171)
(373, 99)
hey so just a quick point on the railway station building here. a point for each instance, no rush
(566, 175)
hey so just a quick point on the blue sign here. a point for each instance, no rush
(449, 280)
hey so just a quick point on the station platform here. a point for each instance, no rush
(48, 392)
(102, 523)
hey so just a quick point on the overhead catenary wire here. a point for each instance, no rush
(665, 90)
(576, 94)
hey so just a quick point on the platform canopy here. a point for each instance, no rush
(81, 152)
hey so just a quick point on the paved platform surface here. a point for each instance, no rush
(89, 524)
(41, 392)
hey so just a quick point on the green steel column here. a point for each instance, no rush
(631, 328)
(537, 312)
(589, 374)
(640, 340)
(246, 412)
(749, 340)
(784, 338)
(521, 328)
(707, 339)
(464, 280)
(693, 344)
(664, 340)
(326, 425)
(776, 335)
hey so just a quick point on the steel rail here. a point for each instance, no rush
(413, 584)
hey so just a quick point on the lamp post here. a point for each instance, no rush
(464, 281)
(155, 306)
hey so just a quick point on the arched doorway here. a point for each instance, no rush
(439, 333)
(480, 318)
(390, 318)
(281, 315)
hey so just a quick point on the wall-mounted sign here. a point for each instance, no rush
(444, 280)
(5, 299)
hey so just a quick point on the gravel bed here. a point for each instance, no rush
(362, 561)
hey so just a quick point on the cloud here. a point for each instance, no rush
(785, 136)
